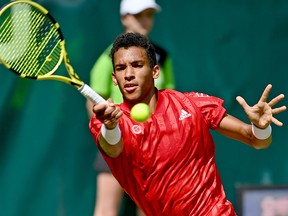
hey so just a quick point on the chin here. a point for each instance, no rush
(132, 99)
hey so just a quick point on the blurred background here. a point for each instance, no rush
(221, 47)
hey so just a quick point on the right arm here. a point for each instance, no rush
(110, 138)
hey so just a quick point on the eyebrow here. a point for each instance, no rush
(133, 62)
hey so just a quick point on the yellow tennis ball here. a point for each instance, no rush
(140, 112)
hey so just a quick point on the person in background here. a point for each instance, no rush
(136, 16)
(167, 164)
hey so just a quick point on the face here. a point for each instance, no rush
(133, 74)
(146, 19)
(141, 22)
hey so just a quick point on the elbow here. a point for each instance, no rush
(262, 144)
(259, 147)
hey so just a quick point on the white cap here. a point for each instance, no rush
(137, 6)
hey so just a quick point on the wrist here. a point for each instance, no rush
(261, 134)
(112, 136)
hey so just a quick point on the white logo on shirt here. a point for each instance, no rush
(184, 115)
(136, 129)
(199, 94)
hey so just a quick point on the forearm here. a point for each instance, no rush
(111, 141)
(242, 132)
(262, 137)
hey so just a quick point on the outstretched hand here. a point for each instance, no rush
(262, 113)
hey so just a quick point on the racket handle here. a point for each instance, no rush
(90, 94)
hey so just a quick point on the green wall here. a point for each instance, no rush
(224, 48)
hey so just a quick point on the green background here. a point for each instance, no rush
(220, 47)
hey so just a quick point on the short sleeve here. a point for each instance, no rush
(210, 107)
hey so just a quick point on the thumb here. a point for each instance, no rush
(242, 102)
(110, 101)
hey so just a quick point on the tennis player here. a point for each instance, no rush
(135, 16)
(167, 164)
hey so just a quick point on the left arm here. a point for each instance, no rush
(240, 131)
(261, 115)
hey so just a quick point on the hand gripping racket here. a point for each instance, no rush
(32, 46)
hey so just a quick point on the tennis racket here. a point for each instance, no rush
(32, 45)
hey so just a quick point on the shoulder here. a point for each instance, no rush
(172, 95)
(160, 49)
(108, 49)
(106, 52)
(198, 98)
(176, 93)
(103, 62)
(169, 92)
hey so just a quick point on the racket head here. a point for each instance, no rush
(31, 42)
(32, 45)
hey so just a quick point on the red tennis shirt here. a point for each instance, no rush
(168, 165)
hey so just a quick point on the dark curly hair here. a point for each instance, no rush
(127, 40)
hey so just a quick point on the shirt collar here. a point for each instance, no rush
(160, 103)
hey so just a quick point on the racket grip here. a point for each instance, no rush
(90, 94)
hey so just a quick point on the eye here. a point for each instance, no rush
(120, 68)
(138, 65)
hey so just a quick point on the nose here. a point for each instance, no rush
(129, 73)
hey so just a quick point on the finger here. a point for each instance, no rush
(115, 112)
(265, 93)
(110, 102)
(109, 112)
(99, 107)
(119, 114)
(242, 102)
(110, 123)
(276, 100)
(278, 110)
(113, 119)
(277, 122)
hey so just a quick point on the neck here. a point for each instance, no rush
(151, 100)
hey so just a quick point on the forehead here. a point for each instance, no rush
(146, 12)
(130, 54)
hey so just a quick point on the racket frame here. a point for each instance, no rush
(74, 79)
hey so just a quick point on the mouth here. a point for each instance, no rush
(130, 87)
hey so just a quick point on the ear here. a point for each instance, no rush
(156, 71)
(123, 20)
(115, 83)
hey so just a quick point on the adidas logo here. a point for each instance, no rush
(184, 114)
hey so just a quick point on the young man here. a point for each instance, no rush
(167, 164)
(136, 16)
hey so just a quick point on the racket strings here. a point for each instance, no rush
(8, 42)
(38, 48)
(15, 22)
(34, 52)
(27, 63)
(4, 32)
(40, 55)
